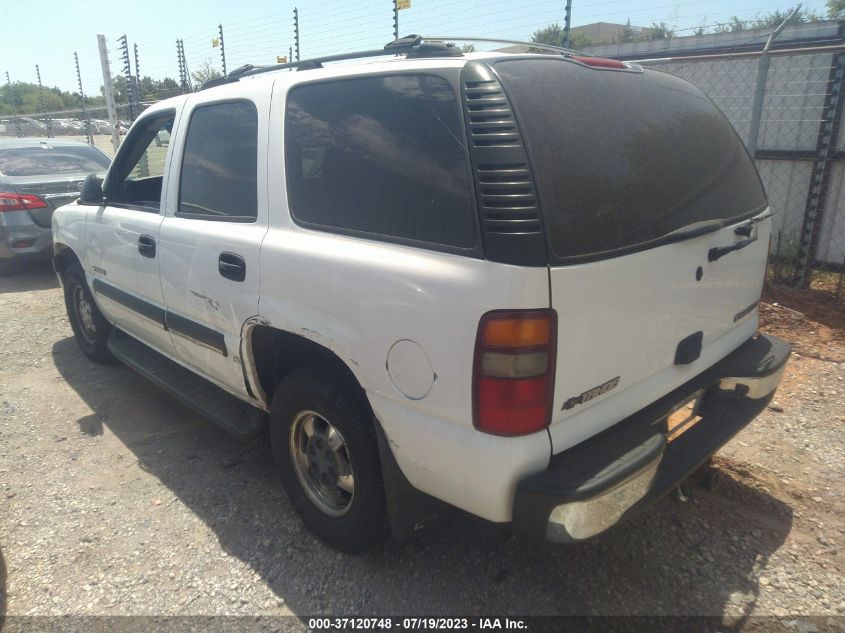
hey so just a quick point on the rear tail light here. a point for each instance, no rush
(514, 371)
(20, 202)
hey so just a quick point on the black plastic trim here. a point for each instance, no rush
(239, 219)
(689, 349)
(136, 304)
(196, 331)
(166, 319)
(508, 205)
(239, 417)
(410, 512)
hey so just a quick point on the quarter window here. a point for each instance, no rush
(218, 180)
(380, 156)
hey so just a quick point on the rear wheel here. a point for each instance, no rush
(324, 445)
(90, 328)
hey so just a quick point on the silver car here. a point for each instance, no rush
(36, 177)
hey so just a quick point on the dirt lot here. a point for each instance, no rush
(117, 500)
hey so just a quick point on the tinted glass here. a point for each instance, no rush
(623, 158)
(47, 160)
(381, 155)
(220, 164)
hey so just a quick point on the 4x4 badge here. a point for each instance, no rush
(591, 393)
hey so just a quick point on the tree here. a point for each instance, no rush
(28, 100)
(770, 20)
(205, 72)
(157, 89)
(773, 19)
(629, 35)
(836, 9)
(468, 48)
(553, 36)
(661, 31)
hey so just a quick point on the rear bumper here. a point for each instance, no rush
(25, 242)
(619, 472)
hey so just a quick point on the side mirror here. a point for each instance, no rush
(92, 190)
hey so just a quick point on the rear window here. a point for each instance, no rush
(381, 156)
(621, 159)
(47, 160)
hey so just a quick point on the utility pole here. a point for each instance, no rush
(137, 85)
(395, 19)
(184, 76)
(127, 73)
(567, 20)
(108, 90)
(179, 62)
(41, 102)
(222, 47)
(290, 56)
(12, 102)
(82, 101)
(296, 31)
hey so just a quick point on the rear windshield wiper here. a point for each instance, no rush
(693, 230)
(718, 251)
(744, 229)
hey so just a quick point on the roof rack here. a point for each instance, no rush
(494, 40)
(410, 45)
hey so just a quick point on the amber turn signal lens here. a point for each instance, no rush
(524, 332)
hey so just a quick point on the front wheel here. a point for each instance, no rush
(90, 328)
(324, 444)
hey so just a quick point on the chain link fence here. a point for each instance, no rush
(91, 127)
(800, 154)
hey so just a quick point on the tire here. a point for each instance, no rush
(90, 328)
(349, 515)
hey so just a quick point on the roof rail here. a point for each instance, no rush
(405, 44)
(410, 44)
(493, 40)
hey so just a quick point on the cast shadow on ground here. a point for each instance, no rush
(28, 277)
(678, 558)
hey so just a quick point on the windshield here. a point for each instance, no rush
(47, 160)
(622, 159)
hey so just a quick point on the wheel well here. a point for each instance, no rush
(63, 256)
(276, 353)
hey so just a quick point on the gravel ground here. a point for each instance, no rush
(117, 500)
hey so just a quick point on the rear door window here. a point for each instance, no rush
(622, 159)
(381, 156)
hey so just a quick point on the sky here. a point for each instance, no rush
(47, 32)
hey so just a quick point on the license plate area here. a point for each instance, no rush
(683, 416)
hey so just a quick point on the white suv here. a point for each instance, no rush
(523, 285)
